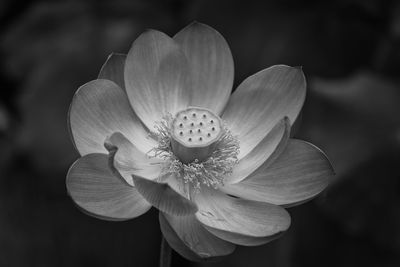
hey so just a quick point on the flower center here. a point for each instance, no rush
(196, 146)
(194, 133)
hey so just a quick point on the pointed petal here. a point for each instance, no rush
(194, 237)
(300, 173)
(113, 69)
(94, 188)
(156, 77)
(128, 160)
(261, 101)
(250, 219)
(100, 108)
(164, 197)
(263, 154)
(211, 65)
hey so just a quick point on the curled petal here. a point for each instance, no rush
(113, 69)
(211, 65)
(195, 242)
(94, 188)
(157, 79)
(128, 160)
(263, 154)
(261, 101)
(222, 214)
(100, 108)
(300, 173)
(164, 197)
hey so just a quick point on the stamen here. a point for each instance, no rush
(210, 171)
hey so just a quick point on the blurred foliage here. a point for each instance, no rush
(350, 54)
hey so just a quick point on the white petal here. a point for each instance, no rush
(263, 154)
(194, 237)
(238, 216)
(128, 160)
(157, 79)
(94, 188)
(261, 101)
(175, 241)
(164, 197)
(100, 108)
(113, 69)
(211, 65)
(300, 173)
(243, 240)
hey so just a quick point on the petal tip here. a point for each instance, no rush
(324, 155)
(199, 27)
(196, 23)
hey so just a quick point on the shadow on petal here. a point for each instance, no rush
(125, 159)
(177, 243)
(163, 197)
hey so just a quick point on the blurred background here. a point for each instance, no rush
(350, 53)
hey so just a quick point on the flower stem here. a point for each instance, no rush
(165, 253)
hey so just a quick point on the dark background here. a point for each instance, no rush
(350, 53)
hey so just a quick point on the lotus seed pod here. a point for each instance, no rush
(194, 132)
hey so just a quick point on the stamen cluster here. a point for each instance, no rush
(210, 172)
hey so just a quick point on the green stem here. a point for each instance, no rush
(165, 253)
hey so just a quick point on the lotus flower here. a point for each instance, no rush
(159, 127)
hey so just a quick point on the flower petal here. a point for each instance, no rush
(261, 101)
(243, 240)
(211, 65)
(128, 160)
(300, 173)
(113, 69)
(100, 108)
(164, 197)
(94, 188)
(175, 241)
(157, 79)
(264, 153)
(198, 240)
(250, 219)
